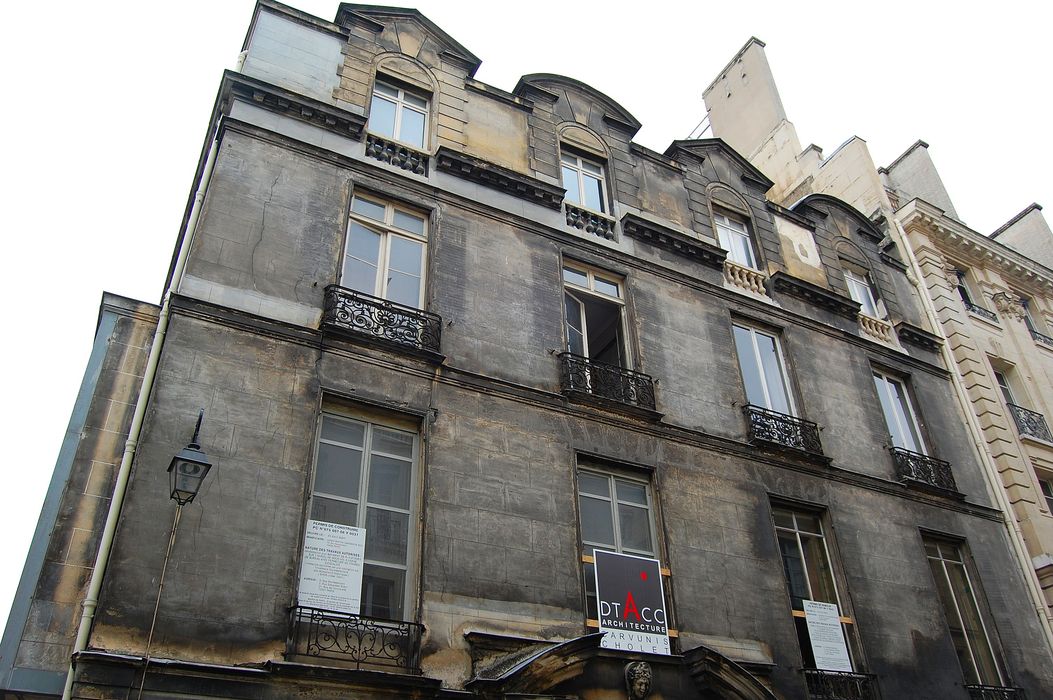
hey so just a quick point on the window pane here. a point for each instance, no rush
(360, 264)
(338, 471)
(403, 289)
(596, 485)
(593, 193)
(793, 567)
(631, 492)
(819, 573)
(330, 511)
(751, 375)
(808, 522)
(389, 481)
(382, 591)
(974, 630)
(783, 518)
(393, 442)
(409, 222)
(591, 168)
(387, 535)
(412, 99)
(570, 182)
(342, 431)
(568, 159)
(604, 287)
(950, 612)
(575, 277)
(634, 525)
(360, 276)
(382, 116)
(386, 89)
(773, 377)
(411, 130)
(575, 325)
(405, 255)
(911, 438)
(369, 209)
(741, 251)
(597, 526)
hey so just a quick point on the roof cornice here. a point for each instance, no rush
(961, 241)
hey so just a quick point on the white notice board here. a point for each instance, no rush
(828, 639)
(331, 570)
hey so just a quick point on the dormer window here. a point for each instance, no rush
(734, 237)
(860, 289)
(585, 182)
(398, 114)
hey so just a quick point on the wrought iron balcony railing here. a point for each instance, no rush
(994, 692)
(361, 314)
(782, 429)
(839, 685)
(1029, 423)
(610, 382)
(1040, 337)
(360, 641)
(921, 468)
(980, 311)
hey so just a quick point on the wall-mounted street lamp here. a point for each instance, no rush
(186, 471)
(189, 468)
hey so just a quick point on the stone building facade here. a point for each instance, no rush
(497, 334)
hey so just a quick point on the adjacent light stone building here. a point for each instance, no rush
(499, 336)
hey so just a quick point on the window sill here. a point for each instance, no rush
(397, 154)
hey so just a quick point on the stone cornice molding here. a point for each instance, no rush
(815, 295)
(918, 337)
(667, 239)
(962, 242)
(237, 86)
(499, 178)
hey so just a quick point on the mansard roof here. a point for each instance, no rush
(550, 82)
(704, 147)
(349, 12)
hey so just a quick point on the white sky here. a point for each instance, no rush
(107, 103)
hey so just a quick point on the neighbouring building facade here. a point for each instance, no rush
(990, 297)
(481, 348)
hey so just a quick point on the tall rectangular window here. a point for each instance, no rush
(365, 476)
(584, 181)
(1004, 387)
(963, 289)
(860, 290)
(763, 370)
(616, 515)
(1046, 484)
(899, 413)
(809, 574)
(385, 251)
(734, 237)
(960, 608)
(398, 114)
(593, 311)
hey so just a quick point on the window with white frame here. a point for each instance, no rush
(860, 289)
(806, 565)
(385, 251)
(365, 476)
(616, 514)
(899, 413)
(964, 292)
(594, 309)
(1004, 387)
(977, 656)
(1046, 484)
(398, 114)
(763, 370)
(734, 236)
(584, 181)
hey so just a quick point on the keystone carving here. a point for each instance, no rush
(637, 680)
(1008, 304)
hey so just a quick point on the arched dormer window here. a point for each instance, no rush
(859, 280)
(584, 173)
(401, 118)
(733, 226)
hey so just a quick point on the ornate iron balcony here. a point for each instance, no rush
(362, 314)
(610, 382)
(915, 466)
(782, 429)
(1041, 337)
(361, 641)
(980, 311)
(839, 685)
(994, 692)
(1029, 423)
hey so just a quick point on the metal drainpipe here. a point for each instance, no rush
(91, 599)
(994, 480)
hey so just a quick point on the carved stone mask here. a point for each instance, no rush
(638, 679)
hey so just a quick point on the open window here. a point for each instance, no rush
(594, 311)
